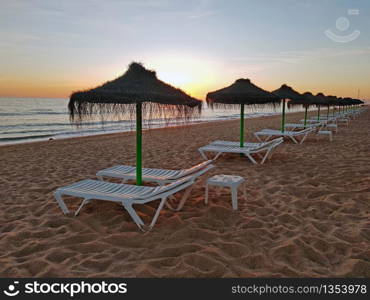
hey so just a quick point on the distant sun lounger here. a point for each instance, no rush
(293, 135)
(220, 147)
(294, 126)
(159, 176)
(129, 195)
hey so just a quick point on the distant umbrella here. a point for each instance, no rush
(333, 101)
(137, 92)
(285, 92)
(241, 92)
(346, 102)
(340, 104)
(325, 101)
(307, 101)
(321, 101)
(358, 102)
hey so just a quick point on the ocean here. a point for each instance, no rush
(36, 119)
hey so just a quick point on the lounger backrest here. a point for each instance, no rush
(193, 169)
(266, 145)
(305, 130)
(185, 180)
(234, 144)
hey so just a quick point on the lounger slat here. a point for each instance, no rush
(150, 175)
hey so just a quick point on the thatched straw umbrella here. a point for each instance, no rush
(350, 102)
(346, 102)
(321, 100)
(307, 100)
(333, 101)
(358, 102)
(285, 92)
(340, 104)
(137, 92)
(241, 92)
(326, 102)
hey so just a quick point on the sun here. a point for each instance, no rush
(191, 74)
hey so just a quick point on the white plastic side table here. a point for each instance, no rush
(231, 181)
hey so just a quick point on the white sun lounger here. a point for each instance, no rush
(159, 176)
(293, 126)
(320, 126)
(293, 135)
(220, 147)
(128, 195)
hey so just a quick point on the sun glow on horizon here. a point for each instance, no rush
(193, 75)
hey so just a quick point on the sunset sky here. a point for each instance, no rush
(51, 48)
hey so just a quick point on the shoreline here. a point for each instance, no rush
(196, 123)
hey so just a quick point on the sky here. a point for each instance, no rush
(51, 48)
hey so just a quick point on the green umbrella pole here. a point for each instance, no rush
(305, 117)
(139, 175)
(242, 125)
(318, 113)
(283, 117)
(327, 113)
(333, 110)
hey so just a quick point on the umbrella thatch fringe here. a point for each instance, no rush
(88, 111)
(294, 104)
(225, 106)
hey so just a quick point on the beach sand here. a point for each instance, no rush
(307, 211)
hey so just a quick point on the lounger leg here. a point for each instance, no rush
(293, 139)
(184, 197)
(304, 137)
(257, 137)
(266, 156)
(131, 211)
(160, 206)
(217, 155)
(251, 158)
(263, 140)
(234, 198)
(203, 154)
(267, 139)
(61, 203)
(84, 201)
